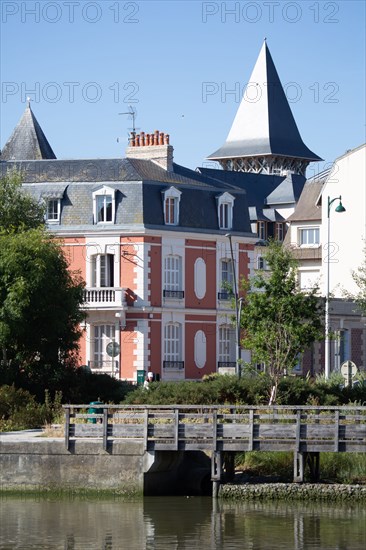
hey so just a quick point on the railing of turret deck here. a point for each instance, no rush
(221, 428)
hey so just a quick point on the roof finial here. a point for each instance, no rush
(265, 39)
(29, 101)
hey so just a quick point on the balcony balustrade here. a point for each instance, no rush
(104, 297)
(225, 295)
(177, 294)
(226, 367)
(173, 370)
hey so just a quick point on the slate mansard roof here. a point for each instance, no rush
(264, 192)
(139, 186)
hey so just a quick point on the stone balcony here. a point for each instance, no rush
(105, 298)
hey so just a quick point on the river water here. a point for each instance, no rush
(177, 523)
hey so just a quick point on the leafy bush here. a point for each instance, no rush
(212, 390)
(77, 385)
(334, 467)
(20, 410)
(249, 390)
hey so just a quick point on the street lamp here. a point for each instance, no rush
(340, 208)
(238, 306)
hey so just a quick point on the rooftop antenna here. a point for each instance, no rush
(132, 113)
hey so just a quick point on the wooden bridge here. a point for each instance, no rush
(304, 430)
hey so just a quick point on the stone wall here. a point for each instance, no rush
(37, 465)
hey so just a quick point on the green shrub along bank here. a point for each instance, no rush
(249, 390)
(19, 409)
(29, 400)
(342, 468)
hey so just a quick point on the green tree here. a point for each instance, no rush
(279, 320)
(19, 211)
(40, 299)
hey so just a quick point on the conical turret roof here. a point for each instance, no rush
(264, 124)
(27, 141)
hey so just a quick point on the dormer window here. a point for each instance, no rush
(53, 210)
(225, 211)
(171, 206)
(104, 206)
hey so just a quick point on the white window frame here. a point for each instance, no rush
(173, 342)
(173, 272)
(262, 230)
(102, 335)
(103, 194)
(56, 214)
(261, 263)
(102, 270)
(280, 231)
(225, 206)
(226, 274)
(171, 206)
(226, 351)
(310, 242)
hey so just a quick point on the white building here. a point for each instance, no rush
(338, 240)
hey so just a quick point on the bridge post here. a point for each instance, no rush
(299, 467)
(67, 428)
(216, 472)
(313, 461)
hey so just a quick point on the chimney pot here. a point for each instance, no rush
(166, 139)
(161, 138)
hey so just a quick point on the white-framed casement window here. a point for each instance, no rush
(261, 263)
(309, 236)
(53, 210)
(102, 336)
(173, 345)
(173, 277)
(225, 210)
(226, 279)
(102, 270)
(279, 231)
(171, 206)
(262, 230)
(104, 205)
(227, 352)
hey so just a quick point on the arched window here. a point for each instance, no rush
(102, 270)
(104, 205)
(225, 211)
(171, 206)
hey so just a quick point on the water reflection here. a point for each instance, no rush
(159, 523)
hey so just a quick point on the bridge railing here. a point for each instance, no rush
(221, 428)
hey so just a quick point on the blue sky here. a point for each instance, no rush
(82, 63)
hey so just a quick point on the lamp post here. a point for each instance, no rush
(238, 306)
(340, 208)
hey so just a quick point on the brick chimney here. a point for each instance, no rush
(153, 147)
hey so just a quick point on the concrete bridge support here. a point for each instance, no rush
(303, 460)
